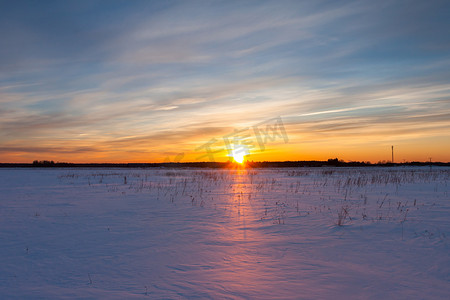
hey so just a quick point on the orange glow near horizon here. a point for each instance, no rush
(403, 153)
(299, 148)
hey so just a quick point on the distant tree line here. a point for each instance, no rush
(332, 162)
(43, 163)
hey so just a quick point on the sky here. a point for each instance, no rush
(154, 81)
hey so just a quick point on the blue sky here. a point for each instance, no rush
(147, 80)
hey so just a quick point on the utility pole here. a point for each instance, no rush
(392, 148)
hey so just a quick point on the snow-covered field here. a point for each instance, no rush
(324, 233)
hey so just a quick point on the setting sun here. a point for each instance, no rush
(239, 157)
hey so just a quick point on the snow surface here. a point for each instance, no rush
(323, 233)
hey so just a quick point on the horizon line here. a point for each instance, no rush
(329, 161)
